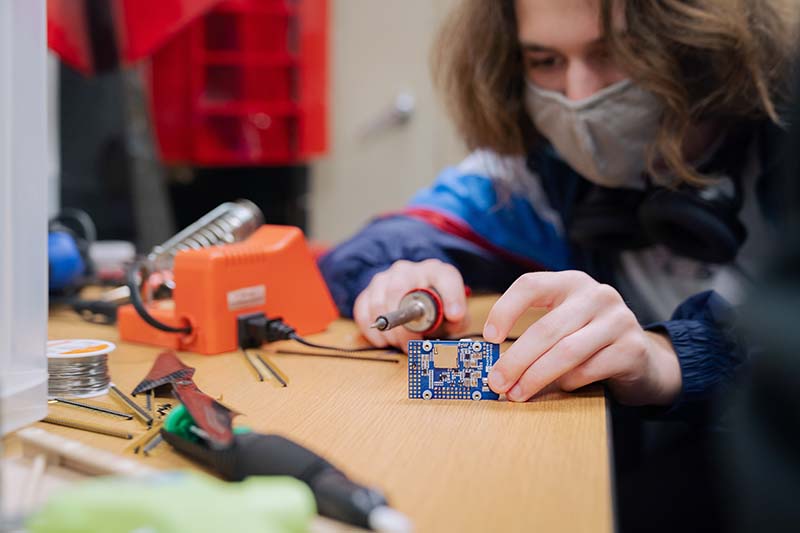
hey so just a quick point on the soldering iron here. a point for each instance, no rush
(420, 310)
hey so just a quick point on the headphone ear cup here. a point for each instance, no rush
(607, 220)
(692, 227)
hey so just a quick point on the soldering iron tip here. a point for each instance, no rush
(380, 323)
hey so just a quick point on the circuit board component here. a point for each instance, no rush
(451, 370)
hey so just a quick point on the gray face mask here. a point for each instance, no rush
(603, 137)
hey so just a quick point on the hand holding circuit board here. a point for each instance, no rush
(589, 334)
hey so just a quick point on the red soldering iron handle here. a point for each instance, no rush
(431, 323)
(420, 310)
(433, 320)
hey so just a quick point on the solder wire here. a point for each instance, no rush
(77, 376)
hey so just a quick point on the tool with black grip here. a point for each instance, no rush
(255, 454)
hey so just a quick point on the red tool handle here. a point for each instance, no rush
(433, 294)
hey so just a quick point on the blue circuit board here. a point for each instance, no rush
(451, 370)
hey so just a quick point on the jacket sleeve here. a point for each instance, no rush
(349, 267)
(491, 224)
(704, 335)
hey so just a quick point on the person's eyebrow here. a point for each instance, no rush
(533, 47)
(536, 47)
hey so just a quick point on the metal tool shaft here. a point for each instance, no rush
(400, 316)
(137, 411)
(86, 426)
(419, 311)
(272, 370)
(95, 408)
(248, 357)
(158, 439)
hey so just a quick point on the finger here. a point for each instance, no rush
(360, 308)
(606, 363)
(376, 290)
(400, 336)
(455, 328)
(402, 277)
(624, 368)
(534, 289)
(572, 315)
(567, 354)
(447, 281)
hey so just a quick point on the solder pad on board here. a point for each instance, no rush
(451, 370)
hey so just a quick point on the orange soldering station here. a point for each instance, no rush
(272, 271)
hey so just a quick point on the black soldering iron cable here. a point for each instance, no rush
(301, 340)
(136, 300)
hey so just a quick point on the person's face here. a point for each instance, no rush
(562, 46)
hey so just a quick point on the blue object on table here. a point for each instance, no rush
(65, 264)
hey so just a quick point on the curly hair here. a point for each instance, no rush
(724, 60)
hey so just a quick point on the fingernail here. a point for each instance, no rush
(515, 394)
(489, 332)
(497, 381)
(454, 310)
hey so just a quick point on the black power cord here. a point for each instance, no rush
(310, 344)
(254, 329)
(136, 300)
(335, 355)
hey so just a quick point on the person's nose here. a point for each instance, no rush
(582, 81)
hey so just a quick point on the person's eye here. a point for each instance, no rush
(543, 62)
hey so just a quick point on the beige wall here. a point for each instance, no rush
(379, 49)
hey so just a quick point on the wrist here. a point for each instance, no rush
(665, 369)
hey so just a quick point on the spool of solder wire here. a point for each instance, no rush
(78, 368)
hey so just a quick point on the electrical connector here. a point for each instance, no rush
(277, 330)
(254, 329)
(251, 330)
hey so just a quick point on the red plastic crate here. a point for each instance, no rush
(246, 84)
(67, 34)
(141, 27)
(255, 138)
(144, 26)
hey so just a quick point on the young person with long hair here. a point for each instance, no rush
(620, 177)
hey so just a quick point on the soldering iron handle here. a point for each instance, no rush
(438, 327)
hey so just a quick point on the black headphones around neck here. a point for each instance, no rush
(698, 223)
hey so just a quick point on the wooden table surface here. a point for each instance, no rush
(449, 465)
